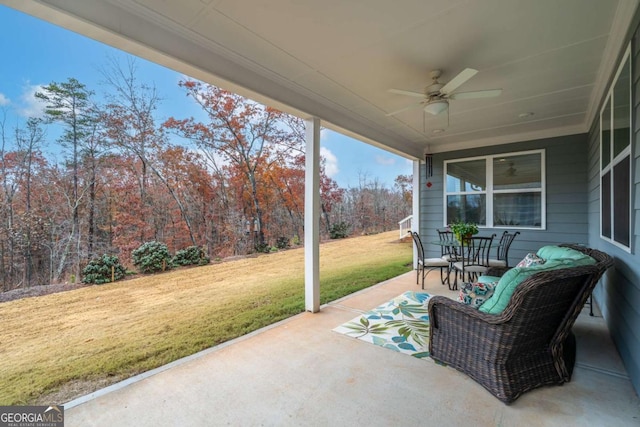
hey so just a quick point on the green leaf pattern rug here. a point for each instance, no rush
(401, 324)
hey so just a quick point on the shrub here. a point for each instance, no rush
(99, 270)
(193, 255)
(282, 243)
(339, 230)
(264, 248)
(151, 257)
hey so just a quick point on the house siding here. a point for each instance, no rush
(618, 294)
(566, 194)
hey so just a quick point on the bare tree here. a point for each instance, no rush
(131, 125)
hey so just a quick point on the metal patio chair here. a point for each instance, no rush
(425, 265)
(502, 251)
(474, 258)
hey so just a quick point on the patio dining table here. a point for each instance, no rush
(452, 252)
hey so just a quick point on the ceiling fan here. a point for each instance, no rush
(436, 96)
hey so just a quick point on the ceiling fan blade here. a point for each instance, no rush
(476, 94)
(410, 107)
(406, 92)
(458, 80)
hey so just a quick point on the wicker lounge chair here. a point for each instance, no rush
(530, 343)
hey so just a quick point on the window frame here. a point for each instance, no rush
(489, 191)
(614, 161)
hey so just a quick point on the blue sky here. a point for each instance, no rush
(36, 53)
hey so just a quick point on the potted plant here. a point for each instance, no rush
(462, 229)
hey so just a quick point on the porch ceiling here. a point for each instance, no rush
(336, 59)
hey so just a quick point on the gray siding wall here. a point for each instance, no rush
(618, 294)
(566, 195)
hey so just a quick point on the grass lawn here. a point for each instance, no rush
(56, 347)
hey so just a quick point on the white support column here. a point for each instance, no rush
(312, 217)
(415, 224)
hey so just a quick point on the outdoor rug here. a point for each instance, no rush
(401, 324)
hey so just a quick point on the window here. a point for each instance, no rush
(505, 190)
(615, 159)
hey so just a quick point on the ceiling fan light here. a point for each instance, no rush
(436, 107)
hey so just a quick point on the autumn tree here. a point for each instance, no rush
(287, 185)
(247, 135)
(404, 185)
(372, 207)
(331, 195)
(31, 234)
(19, 236)
(131, 125)
(231, 182)
(188, 183)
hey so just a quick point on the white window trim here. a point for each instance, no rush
(624, 153)
(489, 192)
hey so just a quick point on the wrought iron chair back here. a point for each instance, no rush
(450, 253)
(502, 251)
(427, 264)
(475, 257)
(447, 251)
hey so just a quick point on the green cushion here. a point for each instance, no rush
(560, 253)
(511, 279)
(557, 257)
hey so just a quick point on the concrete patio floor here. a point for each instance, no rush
(300, 372)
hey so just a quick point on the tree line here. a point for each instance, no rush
(232, 183)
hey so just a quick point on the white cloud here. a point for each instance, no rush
(3, 100)
(331, 162)
(30, 106)
(386, 161)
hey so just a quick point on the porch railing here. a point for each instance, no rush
(405, 225)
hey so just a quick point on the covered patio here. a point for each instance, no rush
(333, 63)
(301, 372)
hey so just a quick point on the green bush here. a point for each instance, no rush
(193, 255)
(282, 243)
(339, 230)
(99, 270)
(264, 248)
(152, 257)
